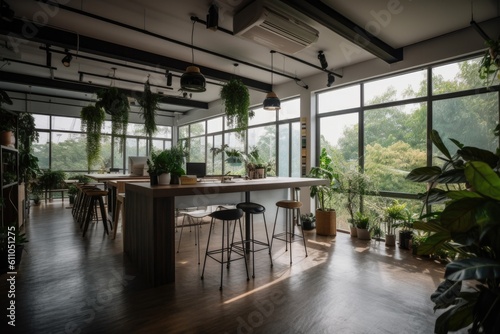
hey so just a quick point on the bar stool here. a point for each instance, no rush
(226, 216)
(94, 198)
(194, 218)
(119, 207)
(252, 209)
(289, 235)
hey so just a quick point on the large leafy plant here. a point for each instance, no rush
(325, 170)
(468, 183)
(236, 99)
(115, 103)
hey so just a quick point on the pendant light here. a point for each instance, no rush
(272, 102)
(192, 80)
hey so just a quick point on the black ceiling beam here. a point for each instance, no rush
(67, 40)
(87, 88)
(340, 24)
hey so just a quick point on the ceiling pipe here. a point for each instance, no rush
(187, 45)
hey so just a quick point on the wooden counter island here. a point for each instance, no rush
(149, 237)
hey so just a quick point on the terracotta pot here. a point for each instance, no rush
(390, 240)
(363, 234)
(6, 138)
(326, 222)
(354, 231)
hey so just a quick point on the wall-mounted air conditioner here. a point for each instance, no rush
(273, 28)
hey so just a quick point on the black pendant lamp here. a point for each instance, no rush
(272, 102)
(192, 80)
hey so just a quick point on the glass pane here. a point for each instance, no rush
(142, 148)
(41, 149)
(262, 116)
(106, 161)
(295, 150)
(264, 139)
(340, 134)
(339, 99)
(68, 152)
(158, 145)
(183, 131)
(214, 125)
(107, 127)
(395, 143)
(117, 156)
(284, 150)
(42, 121)
(197, 150)
(234, 142)
(66, 123)
(289, 109)
(168, 144)
(197, 129)
(456, 77)
(163, 132)
(397, 88)
(214, 162)
(131, 149)
(135, 129)
(468, 119)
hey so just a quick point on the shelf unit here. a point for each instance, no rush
(9, 183)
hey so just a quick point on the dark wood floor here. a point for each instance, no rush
(70, 284)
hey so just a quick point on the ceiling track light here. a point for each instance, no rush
(66, 61)
(331, 80)
(322, 60)
(168, 75)
(272, 102)
(192, 80)
(213, 17)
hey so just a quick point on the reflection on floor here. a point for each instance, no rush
(70, 284)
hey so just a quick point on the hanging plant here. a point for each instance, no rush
(115, 103)
(236, 99)
(490, 63)
(92, 121)
(149, 103)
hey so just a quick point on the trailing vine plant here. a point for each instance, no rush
(115, 103)
(236, 99)
(149, 104)
(92, 121)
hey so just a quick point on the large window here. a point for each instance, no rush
(269, 131)
(381, 125)
(61, 145)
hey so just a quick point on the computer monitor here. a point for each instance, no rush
(196, 168)
(136, 165)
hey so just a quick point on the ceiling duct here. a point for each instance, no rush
(273, 28)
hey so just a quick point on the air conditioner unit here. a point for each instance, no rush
(273, 28)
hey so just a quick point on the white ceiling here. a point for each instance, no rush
(397, 23)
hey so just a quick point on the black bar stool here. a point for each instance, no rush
(226, 216)
(252, 209)
(95, 198)
(289, 235)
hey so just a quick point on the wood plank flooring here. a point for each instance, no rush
(70, 284)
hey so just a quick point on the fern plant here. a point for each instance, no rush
(149, 104)
(236, 99)
(92, 121)
(115, 103)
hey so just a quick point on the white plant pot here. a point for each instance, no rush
(164, 179)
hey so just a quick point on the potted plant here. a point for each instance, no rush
(326, 220)
(115, 103)
(308, 221)
(352, 184)
(406, 230)
(168, 163)
(362, 226)
(7, 120)
(52, 179)
(393, 215)
(468, 225)
(149, 103)
(490, 63)
(177, 154)
(92, 120)
(236, 99)
(72, 191)
(233, 156)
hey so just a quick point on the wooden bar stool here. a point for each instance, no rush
(119, 207)
(289, 235)
(95, 198)
(226, 216)
(253, 209)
